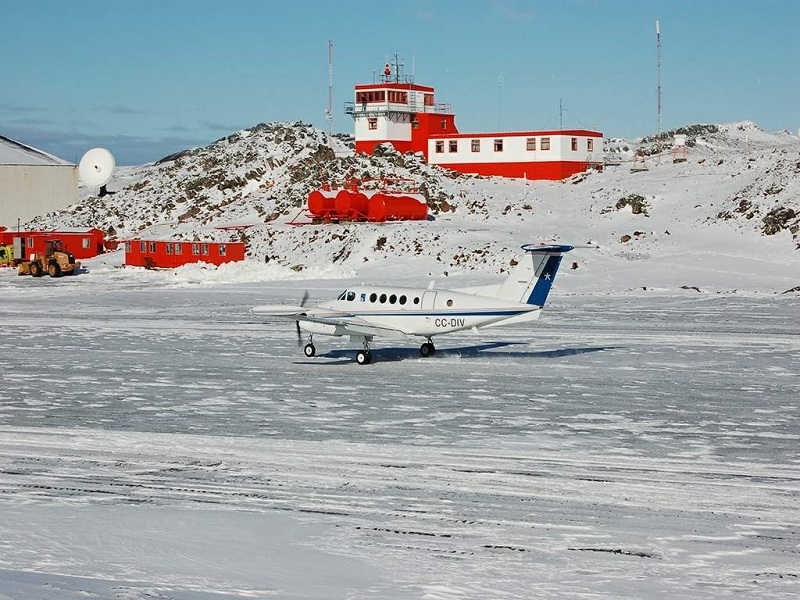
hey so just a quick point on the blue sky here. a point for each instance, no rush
(151, 77)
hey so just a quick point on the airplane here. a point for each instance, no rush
(364, 311)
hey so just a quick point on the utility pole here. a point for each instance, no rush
(658, 87)
(329, 110)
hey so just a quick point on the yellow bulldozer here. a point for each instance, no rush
(55, 261)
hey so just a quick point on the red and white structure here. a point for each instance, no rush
(406, 114)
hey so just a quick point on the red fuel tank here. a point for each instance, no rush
(397, 207)
(351, 204)
(322, 203)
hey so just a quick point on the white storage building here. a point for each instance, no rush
(33, 183)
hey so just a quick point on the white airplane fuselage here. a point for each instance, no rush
(416, 311)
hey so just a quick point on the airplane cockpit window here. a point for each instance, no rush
(402, 299)
(363, 297)
(392, 299)
(342, 295)
(373, 297)
(351, 296)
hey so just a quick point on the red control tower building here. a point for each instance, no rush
(405, 114)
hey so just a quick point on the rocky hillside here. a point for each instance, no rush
(736, 183)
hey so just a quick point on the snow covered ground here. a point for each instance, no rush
(158, 441)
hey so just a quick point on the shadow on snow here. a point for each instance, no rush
(485, 350)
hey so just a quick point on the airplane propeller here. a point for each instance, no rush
(297, 323)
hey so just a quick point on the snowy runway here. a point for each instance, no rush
(638, 446)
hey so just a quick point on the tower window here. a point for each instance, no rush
(475, 145)
(530, 144)
(439, 146)
(574, 144)
(372, 122)
(453, 146)
(498, 145)
(590, 145)
(545, 143)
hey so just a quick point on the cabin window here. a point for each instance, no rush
(574, 144)
(449, 302)
(545, 145)
(475, 145)
(498, 145)
(86, 242)
(205, 249)
(439, 146)
(416, 300)
(392, 299)
(169, 248)
(453, 146)
(590, 145)
(153, 247)
(383, 299)
(142, 247)
(530, 144)
(351, 296)
(178, 248)
(221, 249)
(195, 249)
(373, 122)
(373, 297)
(402, 299)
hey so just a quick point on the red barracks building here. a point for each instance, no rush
(405, 114)
(82, 243)
(159, 254)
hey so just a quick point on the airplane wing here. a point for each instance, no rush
(349, 324)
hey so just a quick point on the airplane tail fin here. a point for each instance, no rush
(531, 279)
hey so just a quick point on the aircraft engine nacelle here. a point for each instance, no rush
(321, 328)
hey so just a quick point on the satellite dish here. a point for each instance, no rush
(96, 168)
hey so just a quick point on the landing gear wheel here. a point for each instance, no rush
(427, 349)
(309, 350)
(364, 357)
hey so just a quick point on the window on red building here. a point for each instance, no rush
(373, 122)
(590, 145)
(530, 144)
(498, 145)
(453, 146)
(195, 249)
(545, 145)
(169, 248)
(574, 144)
(439, 146)
(222, 250)
(152, 247)
(204, 249)
(178, 248)
(475, 145)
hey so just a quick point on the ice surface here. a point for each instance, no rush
(158, 441)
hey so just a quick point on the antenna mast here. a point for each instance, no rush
(658, 88)
(329, 110)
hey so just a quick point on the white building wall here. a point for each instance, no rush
(514, 149)
(28, 191)
(387, 129)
